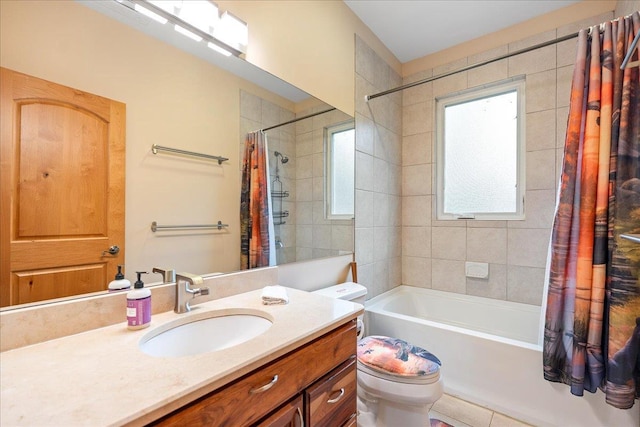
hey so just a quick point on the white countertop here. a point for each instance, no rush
(102, 378)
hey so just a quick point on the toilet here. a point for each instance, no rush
(397, 381)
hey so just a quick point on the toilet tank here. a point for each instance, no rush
(348, 291)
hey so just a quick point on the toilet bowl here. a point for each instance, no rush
(397, 382)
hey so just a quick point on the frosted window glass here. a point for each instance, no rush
(480, 152)
(480, 149)
(342, 172)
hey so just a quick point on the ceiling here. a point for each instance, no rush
(412, 29)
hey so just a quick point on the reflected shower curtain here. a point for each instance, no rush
(257, 244)
(592, 323)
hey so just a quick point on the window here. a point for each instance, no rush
(480, 153)
(340, 170)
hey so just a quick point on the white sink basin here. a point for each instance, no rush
(205, 332)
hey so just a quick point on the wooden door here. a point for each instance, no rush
(62, 166)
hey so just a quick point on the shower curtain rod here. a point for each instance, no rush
(470, 67)
(297, 119)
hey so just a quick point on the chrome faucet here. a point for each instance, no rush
(183, 290)
(168, 276)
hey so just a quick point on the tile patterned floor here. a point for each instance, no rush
(460, 413)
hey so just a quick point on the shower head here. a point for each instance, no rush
(283, 159)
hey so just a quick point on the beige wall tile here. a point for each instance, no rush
(539, 209)
(304, 190)
(533, 62)
(416, 271)
(417, 118)
(364, 171)
(418, 93)
(525, 284)
(489, 73)
(541, 130)
(322, 237)
(304, 213)
(304, 167)
(416, 211)
(342, 237)
(563, 85)
(380, 210)
(416, 180)
(380, 175)
(416, 241)
(365, 135)
(449, 243)
(527, 247)
(416, 149)
(448, 275)
(539, 166)
(364, 209)
(364, 245)
(450, 84)
(487, 245)
(380, 243)
(562, 116)
(541, 91)
(494, 287)
(304, 236)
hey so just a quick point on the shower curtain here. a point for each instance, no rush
(257, 242)
(592, 323)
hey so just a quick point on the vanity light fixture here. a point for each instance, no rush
(199, 20)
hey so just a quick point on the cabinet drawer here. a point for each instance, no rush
(332, 400)
(253, 396)
(288, 415)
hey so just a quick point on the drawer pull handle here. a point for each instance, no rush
(335, 399)
(300, 416)
(264, 387)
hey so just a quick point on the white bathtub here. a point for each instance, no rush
(490, 355)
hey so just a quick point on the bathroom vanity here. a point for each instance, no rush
(302, 368)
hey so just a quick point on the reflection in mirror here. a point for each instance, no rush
(297, 156)
(180, 100)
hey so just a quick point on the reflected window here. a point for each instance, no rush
(480, 153)
(340, 170)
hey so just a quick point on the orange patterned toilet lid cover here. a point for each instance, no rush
(395, 356)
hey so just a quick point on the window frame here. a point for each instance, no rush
(328, 165)
(516, 84)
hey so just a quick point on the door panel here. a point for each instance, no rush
(61, 189)
(39, 285)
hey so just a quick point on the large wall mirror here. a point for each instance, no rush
(181, 95)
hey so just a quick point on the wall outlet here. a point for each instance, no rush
(478, 270)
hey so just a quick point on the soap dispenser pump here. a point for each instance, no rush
(139, 305)
(119, 283)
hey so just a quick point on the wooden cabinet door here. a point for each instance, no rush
(288, 415)
(332, 401)
(62, 173)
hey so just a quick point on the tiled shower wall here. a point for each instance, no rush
(434, 252)
(316, 236)
(257, 113)
(378, 231)
(305, 234)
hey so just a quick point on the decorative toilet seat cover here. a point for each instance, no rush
(393, 356)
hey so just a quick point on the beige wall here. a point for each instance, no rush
(309, 44)
(627, 7)
(173, 99)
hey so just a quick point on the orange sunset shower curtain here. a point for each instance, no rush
(592, 323)
(257, 247)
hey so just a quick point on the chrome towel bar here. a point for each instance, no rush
(155, 148)
(155, 227)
